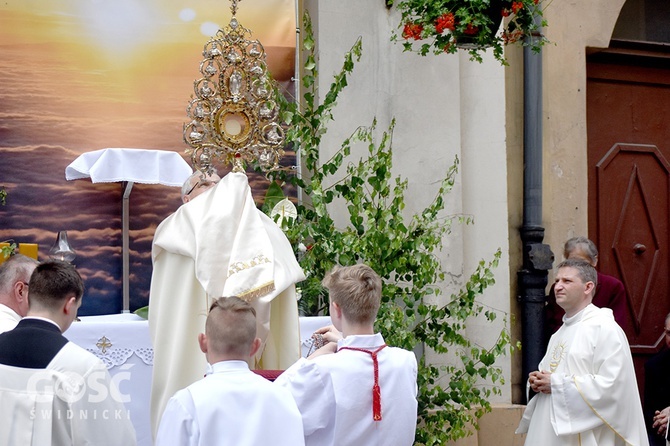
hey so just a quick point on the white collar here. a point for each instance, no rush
(5, 309)
(229, 366)
(362, 341)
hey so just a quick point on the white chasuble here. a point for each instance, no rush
(218, 244)
(71, 402)
(594, 399)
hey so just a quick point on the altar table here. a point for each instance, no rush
(123, 343)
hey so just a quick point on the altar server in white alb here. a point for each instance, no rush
(232, 405)
(587, 392)
(218, 244)
(358, 392)
(53, 392)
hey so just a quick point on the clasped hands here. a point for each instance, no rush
(540, 382)
(661, 420)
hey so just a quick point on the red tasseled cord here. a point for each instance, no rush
(376, 390)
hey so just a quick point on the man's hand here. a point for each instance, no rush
(661, 420)
(329, 348)
(324, 340)
(540, 382)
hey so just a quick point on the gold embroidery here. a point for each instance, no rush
(257, 292)
(586, 400)
(241, 266)
(557, 356)
(103, 344)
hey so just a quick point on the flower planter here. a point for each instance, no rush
(447, 25)
(481, 38)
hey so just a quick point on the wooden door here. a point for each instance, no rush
(628, 126)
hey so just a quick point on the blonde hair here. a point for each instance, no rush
(231, 326)
(357, 290)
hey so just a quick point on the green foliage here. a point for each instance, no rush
(401, 249)
(6, 251)
(142, 312)
(10, 249)
(273, 196)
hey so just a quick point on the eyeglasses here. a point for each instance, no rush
(666, 332)
(201, 183)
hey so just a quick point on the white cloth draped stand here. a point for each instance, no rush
(129, 166)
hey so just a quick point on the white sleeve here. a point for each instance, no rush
(602, 389)
(313, 392)
(177, 426)
(570, 412)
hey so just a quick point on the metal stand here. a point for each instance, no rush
(125, 251)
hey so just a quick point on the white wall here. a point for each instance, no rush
(445, 106)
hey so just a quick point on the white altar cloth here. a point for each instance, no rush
(122, 342)
(135, 165)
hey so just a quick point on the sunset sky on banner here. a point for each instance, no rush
(78, 76)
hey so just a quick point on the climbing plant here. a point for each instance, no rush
(403, 249)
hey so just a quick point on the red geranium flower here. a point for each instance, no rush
(412, 31)
(471, 30)
(445, 21)
(516, 7)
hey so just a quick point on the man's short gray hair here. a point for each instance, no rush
(583, 243)
(17, 267)
(187, 187)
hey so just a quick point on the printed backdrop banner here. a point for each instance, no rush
(83, 75)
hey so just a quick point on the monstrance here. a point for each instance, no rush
(234, 111)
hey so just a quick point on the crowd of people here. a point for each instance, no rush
(353, 390)
(367, 394)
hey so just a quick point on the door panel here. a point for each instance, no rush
(628, 126)
(633, 184)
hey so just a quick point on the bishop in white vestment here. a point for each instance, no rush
(218, 244)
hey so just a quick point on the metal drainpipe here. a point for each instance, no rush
(297, 91)
(537, 257)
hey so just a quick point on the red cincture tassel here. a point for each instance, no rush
(376, 390)
(376, 403)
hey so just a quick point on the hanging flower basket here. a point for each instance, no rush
(444, 26)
